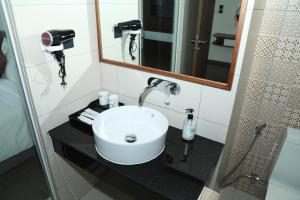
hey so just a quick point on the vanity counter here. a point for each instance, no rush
(178, 173)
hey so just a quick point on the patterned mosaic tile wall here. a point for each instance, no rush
(273, 89)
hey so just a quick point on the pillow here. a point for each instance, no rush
(3, 60)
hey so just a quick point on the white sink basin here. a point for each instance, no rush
(130, 135)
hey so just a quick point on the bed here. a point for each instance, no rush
(15, 134)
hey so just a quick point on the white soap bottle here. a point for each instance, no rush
(189, 126)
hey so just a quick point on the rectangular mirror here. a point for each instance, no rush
(195, 40)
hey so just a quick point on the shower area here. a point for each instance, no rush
(267, 101)
(21, 174)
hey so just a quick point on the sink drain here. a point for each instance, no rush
(130, 138)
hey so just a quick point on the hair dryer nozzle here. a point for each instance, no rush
(57, 37)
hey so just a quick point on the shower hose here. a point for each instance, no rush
(253, 177)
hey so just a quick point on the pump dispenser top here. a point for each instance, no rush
(190, 112)
(189, 125)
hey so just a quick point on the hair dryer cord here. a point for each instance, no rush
(60, 57)
(132, 46)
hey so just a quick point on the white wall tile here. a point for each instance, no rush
(83, 74)
(128, 100)
(212, 130)
(110, 77)
(34, 93)
(216, 104)
(131, 82)
(80, 17)
(59, 116)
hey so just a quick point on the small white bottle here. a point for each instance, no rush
(189, 126)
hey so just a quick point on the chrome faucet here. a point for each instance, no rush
(164, 86)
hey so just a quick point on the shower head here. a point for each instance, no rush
(259, 128)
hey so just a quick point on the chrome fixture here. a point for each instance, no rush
(167, 87)
(253, 178)
(130, 138)
(225, 180)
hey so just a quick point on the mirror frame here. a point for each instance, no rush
(225, 86)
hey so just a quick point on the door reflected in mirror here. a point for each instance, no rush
(194, 38)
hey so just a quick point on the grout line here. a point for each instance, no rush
(132, 98)
(64, 177)
(213, 122)
(118, 79)
(199, 104)
(69, 56)
(72, 102)
(101, 76)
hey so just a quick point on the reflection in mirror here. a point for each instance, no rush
(194, 37)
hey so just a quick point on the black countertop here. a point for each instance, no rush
(179, 173)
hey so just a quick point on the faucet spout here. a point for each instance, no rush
(143, 94)
(161, 85)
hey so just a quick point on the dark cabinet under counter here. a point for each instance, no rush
(179, 173)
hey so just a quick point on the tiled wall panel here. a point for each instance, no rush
(272, 92)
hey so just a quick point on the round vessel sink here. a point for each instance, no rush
(130, 135)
